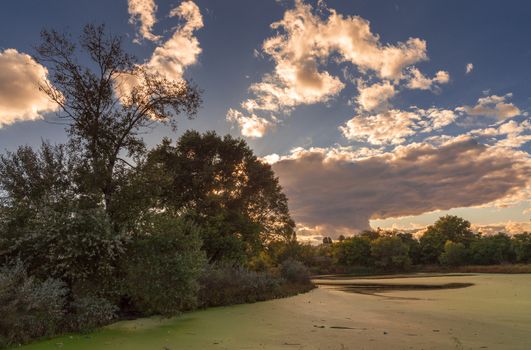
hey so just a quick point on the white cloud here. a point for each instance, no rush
(417, 80)
(143, 12)
(251, 126)
(178, 52)
(375, 97)
(492, 106)
(469, 68)
(395, 126)
(390, 127)
(306, 40)
(20, 98)
(342, 193)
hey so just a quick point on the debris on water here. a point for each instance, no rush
(341, 327)
(316, 326)
(286, 343)
(436, 330)
(384, 332)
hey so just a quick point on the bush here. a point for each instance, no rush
(455, 254)
(163, 265)
(226, 285)
(28, 308)
(390, 253)
(295, 272)
(91, 312)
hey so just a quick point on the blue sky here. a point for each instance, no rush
(337, 134)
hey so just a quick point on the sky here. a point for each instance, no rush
(372, 113)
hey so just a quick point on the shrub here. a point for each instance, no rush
(162, 266)
(29, 308)
(90, 312)
(455, 254)
(295, 272)
(390, 253)
(226, 285)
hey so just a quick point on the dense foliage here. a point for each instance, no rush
(448, 243)
(102, 227)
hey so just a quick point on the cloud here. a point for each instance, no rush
(469, 68)
(20, 98)
(395, 126)
(390, 127)
(510, 227)
(306, 40)
(143, 12)
(251, 126)
(492, 106)
(417, 80)
(375, 97)
(339, 193)
(171, 58)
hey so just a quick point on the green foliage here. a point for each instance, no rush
(162, 266)
(227, 285)
(224, 188)
(431, 246)
(490, 250)
(78, 247)
(29, 308)
(90, 312)
(522, 247)
(455, 254)
(390, 253)
(354, 251)
(294, 271)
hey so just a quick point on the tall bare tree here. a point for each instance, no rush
(107, 102)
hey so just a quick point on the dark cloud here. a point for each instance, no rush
(338, 192)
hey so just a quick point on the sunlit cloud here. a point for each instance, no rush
(251, 126)
(20, 97)
(492, 106)
(143, 12)
(410, 180)
(375, 97)
(395, 126)
(172, 57)
(469, 68)
(417, 80)
(307, 40)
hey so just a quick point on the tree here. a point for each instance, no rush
(455, 254)
(224, 188)
(446, 228)
(522, 247)
(390, 253)
(107, 105)
(490, 250)
(354, 251)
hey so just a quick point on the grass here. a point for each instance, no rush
(504, 268)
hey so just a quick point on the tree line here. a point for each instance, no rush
(449, 242)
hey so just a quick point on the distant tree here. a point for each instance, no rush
(413, 246)
(354, 251)
(370, 234)
(390, 253)
(490, 250)
(454, 254)
(341, 238)
(522, 247)
(446, 228)
(105, 120)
